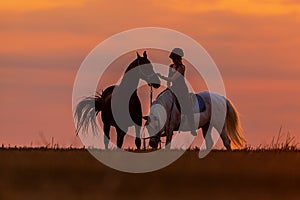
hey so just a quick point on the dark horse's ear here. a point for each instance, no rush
(138, 55)
(145, 54)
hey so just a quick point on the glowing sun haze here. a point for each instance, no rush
(255, 44)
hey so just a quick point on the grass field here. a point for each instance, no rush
(75, 174)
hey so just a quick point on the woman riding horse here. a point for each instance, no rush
(179, 87)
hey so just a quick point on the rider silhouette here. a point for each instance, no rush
(179, 87)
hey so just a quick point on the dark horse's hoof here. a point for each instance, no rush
(153, 142)
(138, 143)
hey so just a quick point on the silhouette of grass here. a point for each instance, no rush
(280, 142)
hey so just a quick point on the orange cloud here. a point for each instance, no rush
(255, 7)
(29, 5)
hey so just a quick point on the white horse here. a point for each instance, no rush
(165, 117)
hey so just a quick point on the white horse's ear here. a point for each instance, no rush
(145, 54)
(138, 55)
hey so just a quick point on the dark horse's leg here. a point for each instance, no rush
(138, 130)
(120, 137)
(206, 131)
(135, 109)
(138, 137)
(106, 135)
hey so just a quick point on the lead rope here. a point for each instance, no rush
(151, 97)
(143, 130)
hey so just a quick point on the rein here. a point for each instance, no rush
(143, 130)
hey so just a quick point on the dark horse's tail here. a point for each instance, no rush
(86, 112)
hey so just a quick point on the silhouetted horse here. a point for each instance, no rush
(113, 101)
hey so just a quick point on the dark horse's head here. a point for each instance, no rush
(145, 70)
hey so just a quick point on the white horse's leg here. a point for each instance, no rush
(206, 131)
(138, 137)
(226, 140)
(169, 135)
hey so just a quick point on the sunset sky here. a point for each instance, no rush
(254, 43)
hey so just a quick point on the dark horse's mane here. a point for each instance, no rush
(132, 65)
(108, 91)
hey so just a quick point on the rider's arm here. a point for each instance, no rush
(178, 72)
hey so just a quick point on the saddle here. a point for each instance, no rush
(198, 100)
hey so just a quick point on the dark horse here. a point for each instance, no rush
(112, 101)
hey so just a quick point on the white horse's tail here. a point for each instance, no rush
(233, 126)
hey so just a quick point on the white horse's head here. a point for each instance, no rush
(155, 123)
(153, 127)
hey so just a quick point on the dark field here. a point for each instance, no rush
(75, 174)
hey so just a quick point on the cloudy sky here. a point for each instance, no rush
(255, 44)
